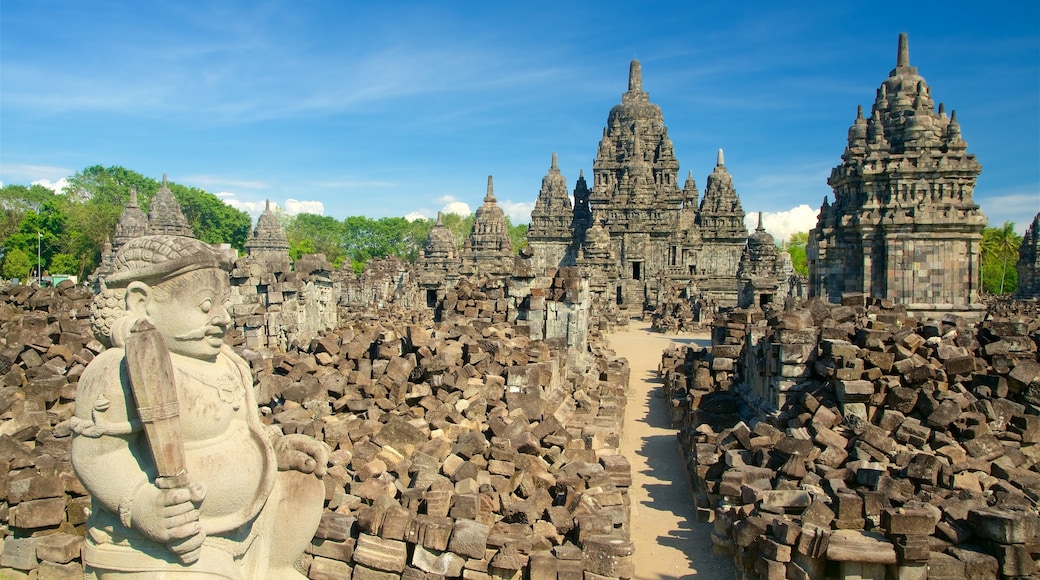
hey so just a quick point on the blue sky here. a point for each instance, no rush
(397, 108)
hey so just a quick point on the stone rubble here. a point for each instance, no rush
(854, 441)
(464, 448)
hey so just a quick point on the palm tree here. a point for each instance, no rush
(1000, 244)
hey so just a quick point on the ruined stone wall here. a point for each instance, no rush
(854, 441)
(277, 310)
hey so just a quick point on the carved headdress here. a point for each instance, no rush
(152, 260)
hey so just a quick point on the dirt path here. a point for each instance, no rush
(670, 542)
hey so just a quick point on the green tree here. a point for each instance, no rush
(517, 235)
(64, 264)
(796, 249)
(16, 201)
(460, 226)
(212, 220)
(999, 253)
(16, 265)
(324, 234)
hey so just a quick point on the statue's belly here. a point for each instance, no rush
(234, 468)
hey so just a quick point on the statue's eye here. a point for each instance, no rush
(206, 305)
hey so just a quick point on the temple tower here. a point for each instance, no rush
(763, 273)
(439, 262)
(720, 225)
(1028, 265)
(488, 251)
(165, 216)
(549, 234)
(903, 225)
(267, 243)
(635, 190)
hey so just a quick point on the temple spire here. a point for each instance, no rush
(721, 161)
(554, 161)
(635, 77)
(133, 196)
(760, 228)
(903, 54)
(490, 197)
(164, 180)
(440, 218)
(267, 205)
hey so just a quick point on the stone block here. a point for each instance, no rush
(328, 569)
(60, 548)
(860, 546)
(445, 564)
(608, 555)
(59, 571)
(20, 554)
(38, 513)
(380, 554)
(1004, 526)
(469, 538)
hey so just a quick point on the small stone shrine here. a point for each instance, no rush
(903, 225)
(1028, 266)
(763, 273)
(488, 250)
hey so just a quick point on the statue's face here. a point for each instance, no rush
(194, 317)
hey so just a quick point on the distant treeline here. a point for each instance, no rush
(68, 230)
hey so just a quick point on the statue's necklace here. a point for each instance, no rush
(223, 381)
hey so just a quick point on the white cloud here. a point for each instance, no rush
(295, 206)
(452, 205)
(253, 208)
(518, 212)
(415, 216)
(1020, 208)
(782, 224)
(55, 186)
(20, 173)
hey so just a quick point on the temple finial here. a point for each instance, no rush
(635, 76)
(133, 195)
(760, 228)
(267, 205)
(859, 112)
(554, 161)
(721, 161)
(490, 191)
(903, 55)
(440, 218)
(164, 180)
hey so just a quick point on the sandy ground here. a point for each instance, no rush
(669, 541)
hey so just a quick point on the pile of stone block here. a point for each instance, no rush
(45, 344)
(900, 447)
(461, 449)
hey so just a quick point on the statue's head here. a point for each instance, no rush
(177, 283)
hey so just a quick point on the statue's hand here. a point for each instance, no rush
(302, 453)
(171, 517)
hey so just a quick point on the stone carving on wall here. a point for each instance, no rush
(185, 480)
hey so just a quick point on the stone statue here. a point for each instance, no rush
(186, 481)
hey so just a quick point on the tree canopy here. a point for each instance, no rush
(999, 254)
(796, 249)
(73, 226)
(77, 222)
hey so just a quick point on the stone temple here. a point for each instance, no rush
(1028, 265)
(903, 225)
(658, 236)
